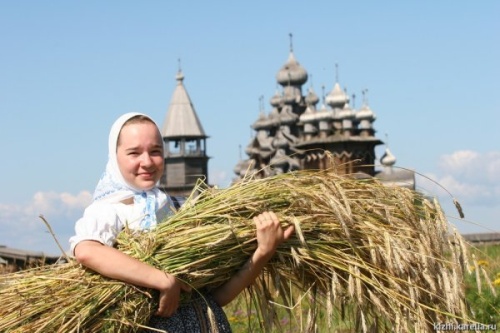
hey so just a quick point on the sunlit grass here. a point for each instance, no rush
(484, 297)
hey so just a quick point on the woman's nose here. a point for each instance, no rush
(146, 160)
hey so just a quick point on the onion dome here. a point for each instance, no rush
(251, 149)
(388, 159)
(337, 97)
(276, 99)
(261, 122)
(365, 113)
(274, 114)
(346, 115)
(346, 112)
(311, 98)
(324, 113)
(287, 116)
(290, 97)
(365, 118)
(292, 73)
(308, 118)
(307, 115)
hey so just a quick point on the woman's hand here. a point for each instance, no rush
(269, 233)
(269, 236)
(115, 264)
(170, 296)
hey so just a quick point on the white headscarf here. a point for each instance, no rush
(113, 188)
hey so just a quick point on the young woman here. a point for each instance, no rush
(128, 193)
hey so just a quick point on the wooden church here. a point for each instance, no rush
(294, 135)
(297, 133)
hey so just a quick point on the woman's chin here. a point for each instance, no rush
(145, 185)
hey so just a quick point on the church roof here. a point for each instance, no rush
(397, 177)
(337, 97)
(181, 119)
(388, 159)
(292, 73)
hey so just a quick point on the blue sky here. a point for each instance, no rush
(68, 69)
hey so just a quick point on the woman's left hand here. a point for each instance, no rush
(269, 236)
(269, 233)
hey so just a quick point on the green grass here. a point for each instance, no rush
(484, 303)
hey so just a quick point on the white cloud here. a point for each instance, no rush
(472, 166)
(21, 227)
(219, 178)
(473, 176)
(60, 203)
(473, 179)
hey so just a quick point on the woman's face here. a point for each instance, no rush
(140, 155)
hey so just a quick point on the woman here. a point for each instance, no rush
(128, 194)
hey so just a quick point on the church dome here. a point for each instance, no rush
(365, 113)
(388, 159)
(261, 122)
(346, 112)
(287, 116)
(292, 73)
(276, 99)
(337, 97)
(312, 98)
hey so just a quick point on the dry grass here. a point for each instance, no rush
(369, 254)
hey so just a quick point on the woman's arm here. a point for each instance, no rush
(269, 236)
(115, 264)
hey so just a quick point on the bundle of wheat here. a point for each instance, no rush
(384, 253)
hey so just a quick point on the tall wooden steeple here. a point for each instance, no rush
(184, 139)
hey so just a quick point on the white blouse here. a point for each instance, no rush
(102, 221)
